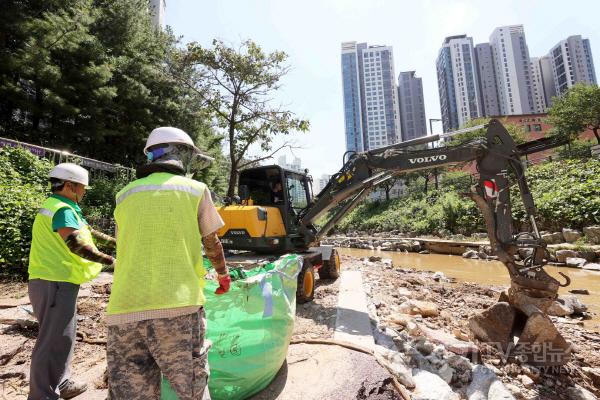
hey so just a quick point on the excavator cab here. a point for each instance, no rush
(266, 218)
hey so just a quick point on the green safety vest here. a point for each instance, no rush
(159, 247)
(50, 258)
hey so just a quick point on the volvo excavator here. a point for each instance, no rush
(276, 213)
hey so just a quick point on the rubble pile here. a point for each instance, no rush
(420, 320)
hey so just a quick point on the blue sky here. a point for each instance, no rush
(311, 32)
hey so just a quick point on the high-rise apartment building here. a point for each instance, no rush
(457, 82)
(547, 79)
(488, 91)
(412, 106)
(513, 70)
(157, 10)
(371, 112)
(572, 63)
(537, 86)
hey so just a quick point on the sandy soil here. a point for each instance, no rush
(317, 371)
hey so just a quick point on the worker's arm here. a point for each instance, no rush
(214, 252)
(209, 222)
(104, 238)
(76, 245)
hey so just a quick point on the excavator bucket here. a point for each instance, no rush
(518, 324)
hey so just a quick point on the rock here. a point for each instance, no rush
(430, 386)
(593, 374)
(423, 308)
(460, 335)
(553, 238)
(579, 291)
(557, 309)
(394, 362)
(578, 393)
(562, 255)
(588, 255)
(413, 329)
(21, 315)
(526, 381)
(592, 234)
(499, 392)
(424, 252)
(470, 254)
(424, 347)
(439, 276)
(374, 258)
(573, 302)
(479, 235)
(575, 262)
(485, 385)
(494, 324)
(404, 292)
(571, 235)
(386, 246)
(450, 342)
(446, 373)
(591, 267)
(462, 369)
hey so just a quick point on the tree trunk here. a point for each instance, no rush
(233, 178)
(426, 182)
(595, 130)
(387, 193)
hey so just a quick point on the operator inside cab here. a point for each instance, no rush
(276, 192)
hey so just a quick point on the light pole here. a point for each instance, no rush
(435, 173)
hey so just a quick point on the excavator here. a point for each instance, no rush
(276, 213)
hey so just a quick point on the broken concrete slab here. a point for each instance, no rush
(352, 323)
(10, 303)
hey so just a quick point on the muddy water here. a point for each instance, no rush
(489, 273)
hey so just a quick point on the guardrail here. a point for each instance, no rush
(59, 156)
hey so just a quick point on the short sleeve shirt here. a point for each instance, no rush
(65, 217)
(209, 219)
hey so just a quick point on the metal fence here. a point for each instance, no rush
(59, 156)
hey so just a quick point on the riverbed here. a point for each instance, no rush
(490, 273)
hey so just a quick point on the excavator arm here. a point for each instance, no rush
(498, 160)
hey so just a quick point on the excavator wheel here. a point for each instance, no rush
(306, 283)
(331, 267)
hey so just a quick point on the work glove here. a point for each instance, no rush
(224, 284)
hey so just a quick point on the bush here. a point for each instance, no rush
(23, 188)
(566, 194)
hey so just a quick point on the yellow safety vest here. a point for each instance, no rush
(159, 247)
(50, 258)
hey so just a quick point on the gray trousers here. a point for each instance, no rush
(55, 306)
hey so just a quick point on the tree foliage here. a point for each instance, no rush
(237, 85)
(576, 111)
(91, 77)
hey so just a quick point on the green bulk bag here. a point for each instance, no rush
(250, 328)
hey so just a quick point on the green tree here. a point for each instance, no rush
(515, 131)
(576, 110)
(237, 86)
(90, 77)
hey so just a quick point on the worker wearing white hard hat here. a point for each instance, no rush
(163, 219)
(62, 257)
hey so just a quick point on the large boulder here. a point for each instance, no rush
(573, 302)
(423, 308)
(562, 255)
(553, 238)
(571, 235)
(557, 309)
(592, 233)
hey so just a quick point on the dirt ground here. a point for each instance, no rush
(319, 371)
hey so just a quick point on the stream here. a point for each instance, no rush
(490, 273)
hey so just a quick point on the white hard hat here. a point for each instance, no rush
(70, 172)
(168, 134)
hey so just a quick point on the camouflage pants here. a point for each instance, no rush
(137, 353)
